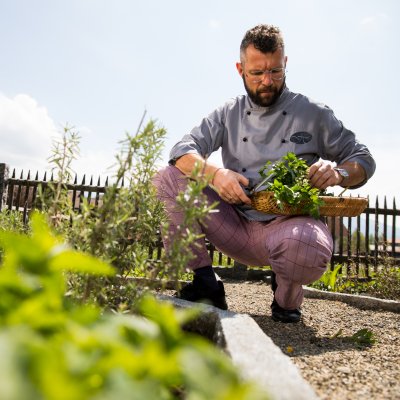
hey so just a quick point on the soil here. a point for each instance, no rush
(321, 345)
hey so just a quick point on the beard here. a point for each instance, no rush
(264, 96)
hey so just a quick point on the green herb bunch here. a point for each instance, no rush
(290, 184)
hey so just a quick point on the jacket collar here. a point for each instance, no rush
(282, 97)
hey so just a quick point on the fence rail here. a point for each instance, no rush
(361, 244)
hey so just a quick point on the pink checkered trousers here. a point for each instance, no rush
(297, 248)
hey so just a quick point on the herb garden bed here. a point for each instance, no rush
(250, 349)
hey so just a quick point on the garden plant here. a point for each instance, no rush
(54, 347)
(74, 323)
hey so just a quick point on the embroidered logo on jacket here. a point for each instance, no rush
(300, 137)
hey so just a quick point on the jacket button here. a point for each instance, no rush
(245, 139)
(244, 170)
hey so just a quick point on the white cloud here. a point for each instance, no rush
(95, 164)
(374, 22)
(26, 136)
(26, 132)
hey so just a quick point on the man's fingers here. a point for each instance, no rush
(243, 180)
(322, 175)
(229, 187)
(234, 194)
(314, 170)
(240, 196)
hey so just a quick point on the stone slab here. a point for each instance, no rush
(251, 350)
(360, 301)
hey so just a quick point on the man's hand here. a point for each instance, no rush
(228, 184)
(322, 174)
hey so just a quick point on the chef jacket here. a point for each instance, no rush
(249, 136)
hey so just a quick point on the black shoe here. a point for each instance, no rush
(281, 315)
(274, 285)
(196, 292)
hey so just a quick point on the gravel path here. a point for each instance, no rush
(333, 364)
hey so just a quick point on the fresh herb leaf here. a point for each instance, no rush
(291, 185)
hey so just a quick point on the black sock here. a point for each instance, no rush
(206, 276)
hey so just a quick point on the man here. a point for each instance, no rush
(263, 125)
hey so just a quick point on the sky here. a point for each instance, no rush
(98, 65)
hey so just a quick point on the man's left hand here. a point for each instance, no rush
(322, 174)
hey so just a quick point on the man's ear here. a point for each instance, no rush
(239, 68)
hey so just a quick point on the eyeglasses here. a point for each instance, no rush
(276, 74)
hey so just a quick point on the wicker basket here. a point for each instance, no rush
(332, 206)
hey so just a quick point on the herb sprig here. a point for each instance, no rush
(291, 184)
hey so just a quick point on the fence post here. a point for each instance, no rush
(4, 170)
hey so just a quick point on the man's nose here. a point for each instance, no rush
(267, 78)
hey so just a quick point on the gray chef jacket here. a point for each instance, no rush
(250, 135)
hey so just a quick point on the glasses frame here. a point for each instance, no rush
(251, 74)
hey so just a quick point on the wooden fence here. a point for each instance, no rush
(361, 244)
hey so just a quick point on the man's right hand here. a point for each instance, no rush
(225, 181)
(228, 185)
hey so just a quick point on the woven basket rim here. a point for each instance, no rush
(332, 205)
(323, 197)
(358, 198)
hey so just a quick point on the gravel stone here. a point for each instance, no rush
(320, 345)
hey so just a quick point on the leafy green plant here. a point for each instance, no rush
(329, 279)
(53, 198)
(12, 220)
(182, 238)
(334, 280)
(54, 348)
(363, 337)
(385, 283)
(123, 229)
(290, 184)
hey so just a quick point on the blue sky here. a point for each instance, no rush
(97, 65)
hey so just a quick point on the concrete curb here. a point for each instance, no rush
(253, 352)
(363, 302)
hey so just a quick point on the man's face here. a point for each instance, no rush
(266, 92)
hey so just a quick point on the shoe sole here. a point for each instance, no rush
(286, 320)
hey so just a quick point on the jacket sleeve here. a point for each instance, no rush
(203, 139)
(340, 144)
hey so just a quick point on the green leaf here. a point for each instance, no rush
(364, 337)
(74, 261)
(167, 317)
(333, 276)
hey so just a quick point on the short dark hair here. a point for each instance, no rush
(265, 38)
